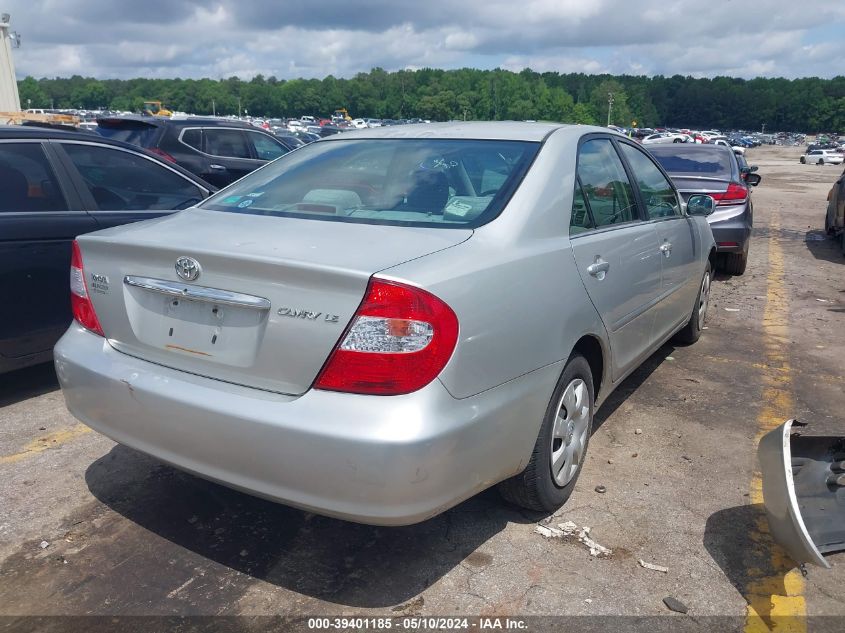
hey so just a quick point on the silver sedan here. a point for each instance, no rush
(386, 322)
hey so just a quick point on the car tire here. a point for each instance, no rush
(678, 140)
(821, 161)
(735, 263)
(692, 330)
(802, 160)
(537, 487)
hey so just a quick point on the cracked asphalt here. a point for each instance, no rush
(127, 535)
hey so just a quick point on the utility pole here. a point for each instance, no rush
(213, 108)
(764, 129)
(609, 106)
(239, 107)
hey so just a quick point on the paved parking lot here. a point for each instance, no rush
(126, 535)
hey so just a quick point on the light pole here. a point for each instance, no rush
(764, 129)
(609, 106)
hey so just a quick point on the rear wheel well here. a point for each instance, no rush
(712, 258)
(590, 348)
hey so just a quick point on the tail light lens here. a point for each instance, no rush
(399, 341)
(161, 154)
(80, 302)
(736, 194)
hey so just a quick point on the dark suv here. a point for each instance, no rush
(217, 150)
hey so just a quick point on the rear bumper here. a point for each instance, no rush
(736, 229)
(381, 460)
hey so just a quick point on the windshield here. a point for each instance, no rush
(410, 182)
(696, 161)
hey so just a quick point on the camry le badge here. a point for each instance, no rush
(188, 268)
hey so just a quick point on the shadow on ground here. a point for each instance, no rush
(31, 382)
(824, 247)
(631, 384)
(739, 541)
(328, 559)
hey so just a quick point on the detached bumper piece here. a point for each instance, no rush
(804, 492)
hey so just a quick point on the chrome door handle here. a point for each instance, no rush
(666, 248)
(599, 268)
(217, 167)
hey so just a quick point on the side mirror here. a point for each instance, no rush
(701, 205)
(753, 179)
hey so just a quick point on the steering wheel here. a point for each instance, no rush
(612, 219)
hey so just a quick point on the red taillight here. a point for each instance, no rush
(162, 154)
(736, 194)
(399, 341)
(80, 302)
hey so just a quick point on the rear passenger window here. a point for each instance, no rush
(193, 138)
(658, 194)
(605, 185)
(228, 143)
(124, 181)
(580, 220)
(27, 182)
(265, 147)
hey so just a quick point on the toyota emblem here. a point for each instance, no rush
(188, 268)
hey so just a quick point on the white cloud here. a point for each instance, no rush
(192, 38)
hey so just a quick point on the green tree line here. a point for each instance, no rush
(807, 105)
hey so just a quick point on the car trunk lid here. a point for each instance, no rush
(694, 185)
(272, 298)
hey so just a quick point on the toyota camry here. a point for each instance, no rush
(383, 323)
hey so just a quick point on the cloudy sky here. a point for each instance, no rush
(314, 38)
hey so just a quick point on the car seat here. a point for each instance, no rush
(14, 190)
(428, 194)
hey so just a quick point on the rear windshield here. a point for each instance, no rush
(693, 161)
(138, 133)
(409, 182)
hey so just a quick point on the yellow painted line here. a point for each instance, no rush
(46, 442)
(774, 588)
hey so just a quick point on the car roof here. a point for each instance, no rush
(674, 148)
(34, 131)
(478, 130)
(190, 120)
